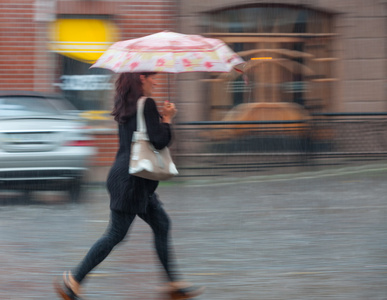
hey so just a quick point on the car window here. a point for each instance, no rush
(26, 106)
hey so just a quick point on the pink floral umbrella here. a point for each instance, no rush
(169, 52)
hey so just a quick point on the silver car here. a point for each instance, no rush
(44, 145)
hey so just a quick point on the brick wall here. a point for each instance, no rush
(17, 48)
(107, 145)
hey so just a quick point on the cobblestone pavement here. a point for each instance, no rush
(302, 236)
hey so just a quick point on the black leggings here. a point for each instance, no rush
(118, 227)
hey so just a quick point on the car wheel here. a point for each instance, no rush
(75, 191)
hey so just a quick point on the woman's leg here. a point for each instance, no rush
(118, 227)
(159, 221)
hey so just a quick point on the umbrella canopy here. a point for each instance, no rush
(169, 52)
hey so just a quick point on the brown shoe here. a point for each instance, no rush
(183, 290)
(65, 288)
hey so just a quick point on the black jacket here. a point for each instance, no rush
(129, 193)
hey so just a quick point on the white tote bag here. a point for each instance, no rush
(146, 161)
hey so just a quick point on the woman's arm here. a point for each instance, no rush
(159, 133)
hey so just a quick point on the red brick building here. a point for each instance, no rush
(31, 59)
(26, 61)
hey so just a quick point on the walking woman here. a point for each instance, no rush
(132, 196)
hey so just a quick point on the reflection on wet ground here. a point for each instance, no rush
(296, 237)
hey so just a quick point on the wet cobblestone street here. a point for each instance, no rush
(302, 236)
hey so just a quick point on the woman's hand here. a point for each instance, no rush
(168, 112)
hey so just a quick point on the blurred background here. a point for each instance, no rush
(312, 97)
(314, 85)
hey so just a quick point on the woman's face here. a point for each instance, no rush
(148, 83)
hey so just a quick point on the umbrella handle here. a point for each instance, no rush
(169, 96)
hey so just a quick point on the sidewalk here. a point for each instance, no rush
(306, 236)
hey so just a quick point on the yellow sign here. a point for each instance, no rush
(96, 115)
(82, 39)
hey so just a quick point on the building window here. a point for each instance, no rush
(87, 89)
(288, 55)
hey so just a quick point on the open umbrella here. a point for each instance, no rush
(169, 52)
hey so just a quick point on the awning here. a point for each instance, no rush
(82, 39)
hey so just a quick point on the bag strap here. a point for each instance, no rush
(141, 132)
(141, 126)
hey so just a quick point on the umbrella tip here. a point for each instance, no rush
(239, 67)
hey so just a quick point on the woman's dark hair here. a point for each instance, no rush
(128, 90)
